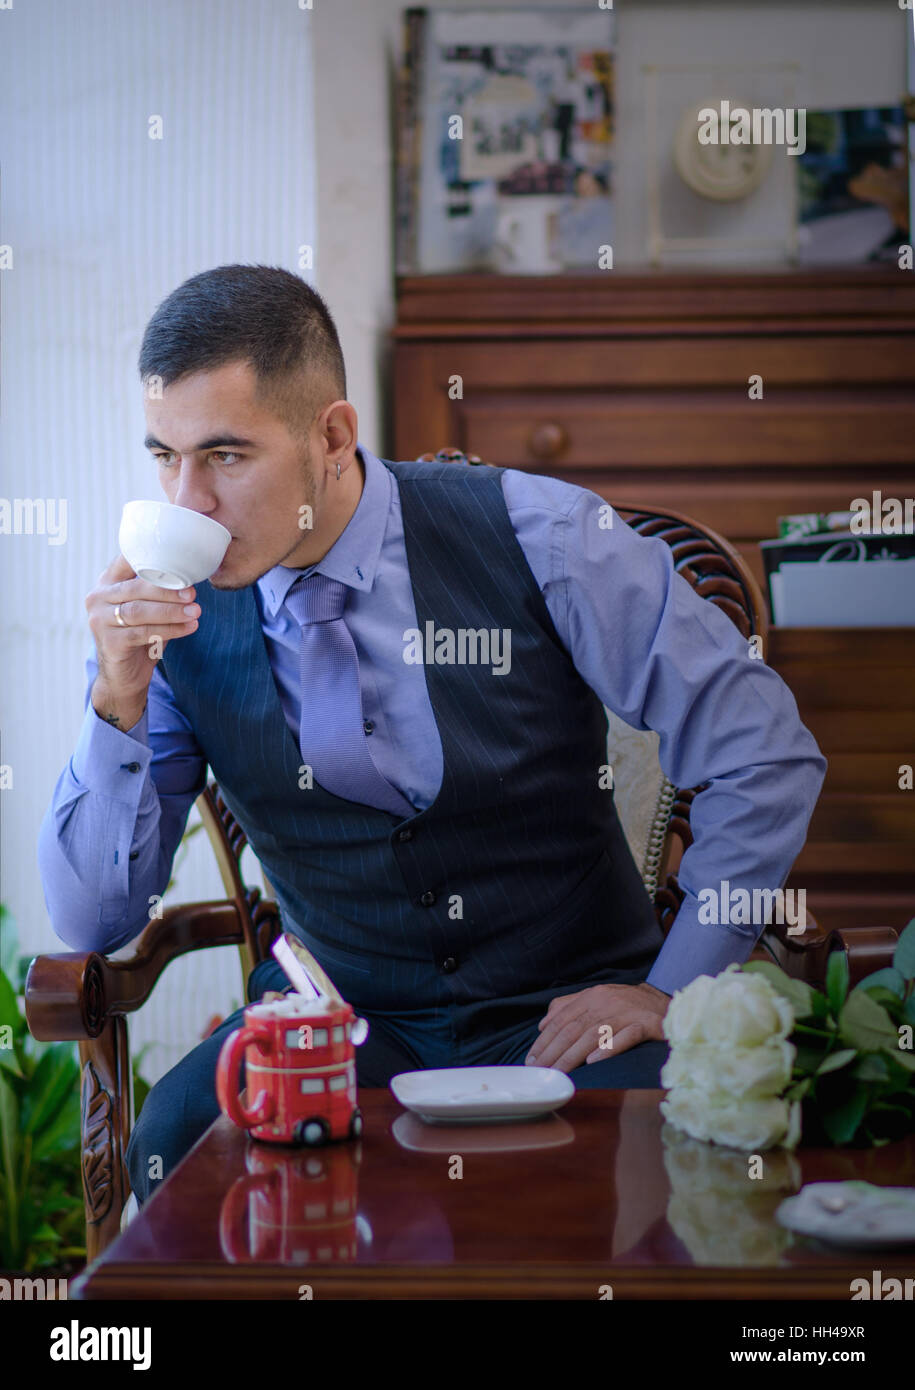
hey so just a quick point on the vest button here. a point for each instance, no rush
(427, 899)
(367, 725)
(132, 767)
(449, 964)
(404, 835)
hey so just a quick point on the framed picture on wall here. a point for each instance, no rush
(724, 203)
(853, 186)
(506, 126)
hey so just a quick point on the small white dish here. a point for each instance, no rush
(171, 546)
(457, 1095)
(856, 1214)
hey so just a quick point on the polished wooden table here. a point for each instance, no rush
(600, 1200)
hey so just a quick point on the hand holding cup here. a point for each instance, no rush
(145, 599)
(132, 620)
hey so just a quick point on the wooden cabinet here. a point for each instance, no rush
(638, 386)
(855, 690)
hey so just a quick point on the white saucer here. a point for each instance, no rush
(455, 1095)
(852, 1213)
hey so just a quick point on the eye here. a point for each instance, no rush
(223, 454)
(164, 458)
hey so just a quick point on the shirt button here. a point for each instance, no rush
(404, 835)
(427, 899)
(449, 965)
(134, 854)
(367, 725)
(132, 767)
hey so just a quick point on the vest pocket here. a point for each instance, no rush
(557, 920)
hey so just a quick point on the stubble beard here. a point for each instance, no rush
(309, 490)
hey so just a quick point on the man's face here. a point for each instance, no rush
(225, 455)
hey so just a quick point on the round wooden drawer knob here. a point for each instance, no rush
(546, 441)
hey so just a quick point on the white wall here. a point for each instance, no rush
(104, 222)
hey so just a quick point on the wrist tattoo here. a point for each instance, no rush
(112, 718)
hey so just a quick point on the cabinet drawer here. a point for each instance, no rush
(666, 428)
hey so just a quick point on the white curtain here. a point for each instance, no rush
(103, 221)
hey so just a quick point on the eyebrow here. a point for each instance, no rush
(218, 441)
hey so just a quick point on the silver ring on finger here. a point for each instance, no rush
(117, 616)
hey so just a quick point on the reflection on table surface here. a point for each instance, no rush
(606, 1182)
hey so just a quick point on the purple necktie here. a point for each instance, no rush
(332, 736)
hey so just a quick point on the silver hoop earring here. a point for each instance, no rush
(338, 472)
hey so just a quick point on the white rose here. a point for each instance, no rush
(686, 1012)
(749, 1072)
(744, 1010)
(734, 1008)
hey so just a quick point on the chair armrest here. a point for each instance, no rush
(805, 957)
(867, 948)
(73, 994)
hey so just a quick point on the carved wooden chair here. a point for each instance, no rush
(86, 997)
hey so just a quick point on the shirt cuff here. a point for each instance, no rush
(694, 948)
(110, 761)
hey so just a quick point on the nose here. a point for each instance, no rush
(193, 489)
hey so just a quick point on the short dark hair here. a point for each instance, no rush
(260, 314)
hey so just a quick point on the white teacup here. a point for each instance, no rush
(527, 234)
(171, 546)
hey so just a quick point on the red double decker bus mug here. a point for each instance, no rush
(300, 1069)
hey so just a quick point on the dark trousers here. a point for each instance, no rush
(182, 1105)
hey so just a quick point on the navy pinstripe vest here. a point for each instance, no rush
(517, 878)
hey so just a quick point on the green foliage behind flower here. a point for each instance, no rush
(854, 1069)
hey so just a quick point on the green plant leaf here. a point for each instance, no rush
(871, 1067)
(141, 1089)
(889, 978)
(45, 1232)
(809, 1059)
(908, 1009)
(904, 954)
(56, 1075)
(820, 1005)
(799, 1089)
(837, 980)
(798, 994)
(902, 1056)
(887, 999)
(10, 1015)
(10, 1062)
(9, 1131)
(865, 1025)
(898, 1076)
(836, 1060)
(11, 1246)
(62, 1135)
(841, 1122)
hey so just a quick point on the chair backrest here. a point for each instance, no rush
(259, 916)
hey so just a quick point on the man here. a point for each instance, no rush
(397, 676)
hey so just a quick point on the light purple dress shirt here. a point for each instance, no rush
(653, 651)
